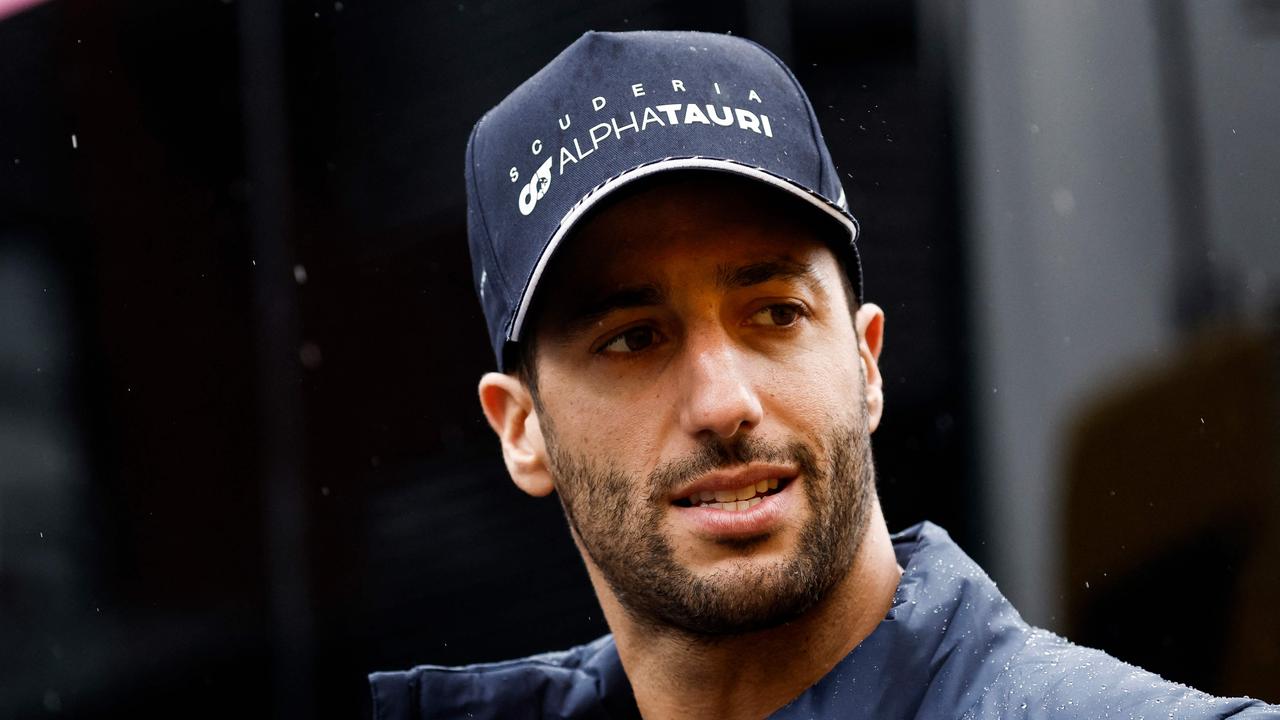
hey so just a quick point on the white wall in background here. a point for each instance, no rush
(1066, 182)
(1069, 228)
(1236, 46)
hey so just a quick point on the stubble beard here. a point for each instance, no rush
(623, 535)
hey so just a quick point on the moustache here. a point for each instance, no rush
(717, 454)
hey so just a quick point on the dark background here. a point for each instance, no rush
(241, 459)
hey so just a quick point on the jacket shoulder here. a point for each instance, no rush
(574, 683)
(585, 682)
(1051, 677)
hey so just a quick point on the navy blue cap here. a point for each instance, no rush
(616, 107)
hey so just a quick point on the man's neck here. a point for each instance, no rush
(750, 676)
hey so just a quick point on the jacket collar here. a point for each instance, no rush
(946, 637)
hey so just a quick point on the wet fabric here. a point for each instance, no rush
(950, 647)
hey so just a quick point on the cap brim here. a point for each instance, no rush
(604, 189)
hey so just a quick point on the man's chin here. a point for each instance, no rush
(707, 555)
(709, 576)
(742, 621)
(741, 596)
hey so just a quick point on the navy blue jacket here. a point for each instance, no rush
(950, 647)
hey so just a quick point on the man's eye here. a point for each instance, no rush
(779, 315)
(633, 340)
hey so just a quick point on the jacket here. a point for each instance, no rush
(951, 646)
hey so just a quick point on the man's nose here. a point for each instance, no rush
(720, 396)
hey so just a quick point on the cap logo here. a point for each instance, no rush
(536, 188)
(663, 115)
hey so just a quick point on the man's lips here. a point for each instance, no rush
(759, 515)
(735, 489)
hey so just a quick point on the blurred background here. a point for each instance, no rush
(241, 460)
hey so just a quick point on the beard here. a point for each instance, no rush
(619, 525)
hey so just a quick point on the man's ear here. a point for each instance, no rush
(509, 407)
(870, 324)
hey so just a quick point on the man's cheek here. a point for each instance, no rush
(807, 407)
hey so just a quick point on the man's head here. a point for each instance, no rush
(617, 108)
(687, 362)
(696, 335)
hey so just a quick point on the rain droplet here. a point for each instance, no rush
(1064, 201)
(310, 355)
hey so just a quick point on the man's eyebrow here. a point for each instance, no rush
(598, 306)
(744, 276)
(733, 277)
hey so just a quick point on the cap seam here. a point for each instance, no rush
(475, 190)
(819, 146)
(813, 116)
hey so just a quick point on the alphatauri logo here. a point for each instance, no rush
(536, 188)
(728, 109)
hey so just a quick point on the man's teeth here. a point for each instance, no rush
(742, 498)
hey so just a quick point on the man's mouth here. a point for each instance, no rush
(735, 499)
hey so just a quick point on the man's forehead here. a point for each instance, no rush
(684, 219)
(713, 230)
(741, 270)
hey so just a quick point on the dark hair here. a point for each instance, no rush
(521, 361)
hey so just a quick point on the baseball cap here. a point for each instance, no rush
(613, 108)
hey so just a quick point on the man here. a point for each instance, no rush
(666, 264)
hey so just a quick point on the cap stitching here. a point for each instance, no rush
(814, 130)
(813, 117)
(475, 191)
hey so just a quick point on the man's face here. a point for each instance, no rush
(701, 400)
